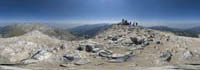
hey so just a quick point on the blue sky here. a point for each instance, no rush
(99, 11)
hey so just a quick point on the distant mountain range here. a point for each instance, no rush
(88, 30)
(195, 29)
(20, 29)
(1, 28)
(92, 30)
(83, 31)
(191, 32)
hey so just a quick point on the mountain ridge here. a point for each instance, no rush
(21, 29)
(191, 32)
(88, 30)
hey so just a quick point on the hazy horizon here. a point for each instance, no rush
(173, 13)
(72, 25)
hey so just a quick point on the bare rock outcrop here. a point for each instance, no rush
(148, 43)
(19, 48)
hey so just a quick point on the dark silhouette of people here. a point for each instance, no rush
(133, 24)
(136, 24)
(125, 22)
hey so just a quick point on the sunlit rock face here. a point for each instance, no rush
(16, 49)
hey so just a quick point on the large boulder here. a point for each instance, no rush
(76, 57)
(29, 61)
(118, 58)
(73, 56)
(187, 54)
(42, 55)
(139, 41)
(134, 40)
(82, 62)
(165, 57)
(104, 53)
(89, 46)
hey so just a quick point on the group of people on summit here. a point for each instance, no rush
(125, 22)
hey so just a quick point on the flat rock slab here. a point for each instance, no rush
(180, 67)
(12, 68)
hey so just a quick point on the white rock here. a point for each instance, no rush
(187, 54)
(74, 56)
(82, 62)
(29, 61)
(117, 55)
(42, 55)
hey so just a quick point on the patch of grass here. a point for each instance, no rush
(15, 32)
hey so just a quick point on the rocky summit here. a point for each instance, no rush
(117, 47)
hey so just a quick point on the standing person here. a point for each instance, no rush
(199, 35)
(126, 22)
(136, 24)
(133, 24)
(123, 21)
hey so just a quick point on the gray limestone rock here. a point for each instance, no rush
(118, 58)
(72, 56)
(165, 57)
(29, 61)
(82, 62)
(104, 53)
(42, 55)
(187, 54)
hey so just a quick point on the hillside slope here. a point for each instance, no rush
(192, 32)
(88, 30)
(16, 49)
(21, 29)
(152, 42)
